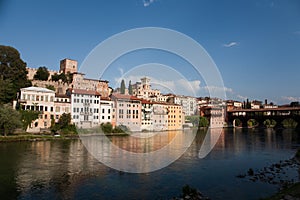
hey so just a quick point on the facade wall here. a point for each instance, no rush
(143, 89)
(127, 111)
(68, 65)
(79, 82)
(175, 117)
(189, 104)
(85, 109)
(38, 99)
(147, 116)
(160, 117)
(106, 111)
(217, 118)
(61, 105)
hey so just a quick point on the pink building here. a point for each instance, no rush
(127, 111)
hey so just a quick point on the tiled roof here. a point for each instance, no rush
(88, 92)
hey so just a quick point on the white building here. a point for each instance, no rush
(147, 115)
(160, 116)
(85, 108)
(188, 103)
(38, 99)
(106, 110)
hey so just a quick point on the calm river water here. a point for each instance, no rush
(64, 169)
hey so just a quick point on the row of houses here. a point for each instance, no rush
(89, 109)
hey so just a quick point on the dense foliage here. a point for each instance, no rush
(203, 122)
(10, 120)
(108, 128)
(42, 74)
(13, 71)
(193, 119)
(28, 116)
(64, 125)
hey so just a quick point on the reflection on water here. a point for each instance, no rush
(65, 169)
(139, 154)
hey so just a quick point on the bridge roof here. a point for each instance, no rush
(265, 109)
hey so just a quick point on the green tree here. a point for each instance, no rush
(27, 117)
(203, 122)
(193, 119)
(12, 68)
(50, 87)
(130, 88)
(10, 120)
(55, 77)
(122, 87)
(6, 90)
(64, 120)
(107, 127)
(42, 74)
(63, 77)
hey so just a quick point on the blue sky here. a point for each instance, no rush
(255, 44)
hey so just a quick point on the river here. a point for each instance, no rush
(64, 169)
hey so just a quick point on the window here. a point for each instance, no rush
(51, 109)
(102, 117)
(42, 98)
(45, 116)
(108, 117)
(46, 108)
(37, 97)
(108, 111)
(51, 99)
(74, 110)
(57, 109)
(103, 111)
(57, 117)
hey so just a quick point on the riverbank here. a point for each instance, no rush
(292, 191)
(289, 189)
(40, 137)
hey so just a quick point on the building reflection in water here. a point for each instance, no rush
(140, 154)
(60, 165)
(61, 168)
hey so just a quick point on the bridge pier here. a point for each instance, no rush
(260, 123)
(279, 124)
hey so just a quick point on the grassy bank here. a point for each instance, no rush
(44, 137)
(30, 137)
(291, 192)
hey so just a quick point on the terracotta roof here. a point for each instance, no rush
(88, 92)
(144, 101)
(105, 98)
(62, 96)
(120, 96)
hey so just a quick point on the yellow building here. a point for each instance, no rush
(175, 117)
